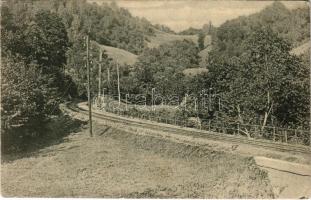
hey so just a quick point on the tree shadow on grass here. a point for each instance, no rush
(53, 132)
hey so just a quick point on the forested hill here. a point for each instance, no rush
(291, 25)
(110, 25)
(254, 62)
(107, 24)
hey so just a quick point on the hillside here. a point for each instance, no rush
(163, 38)
(190, 31)
(191, 72)
(119, 55)
(123, 56)
(111, 25)
(291, 25)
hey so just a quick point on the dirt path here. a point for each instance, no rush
(115, 163)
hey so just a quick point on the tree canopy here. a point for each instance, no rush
(264, 82)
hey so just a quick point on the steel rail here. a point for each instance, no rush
(199, 133)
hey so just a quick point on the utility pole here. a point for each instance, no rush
(209, 99)
(310, 108)
(152, 101)
(108, 79)
(89, 84)
(103, 103)
(127, 95)
(196, 106)
(310, 99)
(203, 98)
(119, 84)
(186, 95)
(100, 72)
(219, 108)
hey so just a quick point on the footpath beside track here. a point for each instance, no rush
(234, 139)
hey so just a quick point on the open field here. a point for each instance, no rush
(120, 55)
(191, 72)
(115, 163)
(164, 38)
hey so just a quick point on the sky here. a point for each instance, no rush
(182, 14)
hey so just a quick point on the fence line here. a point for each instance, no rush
(276, 134)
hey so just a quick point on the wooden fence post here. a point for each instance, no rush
(209, 125)
(285, 134)
(296, 138)
(238, 128)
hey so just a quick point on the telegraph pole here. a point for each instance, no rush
(186, 95)
(100, 71)
(89, 84)
(152, 101)
(310, 107)
(103, 103)
(119, 84)
(310, 101)
(127, 95)
(209, 99)
(108, 80)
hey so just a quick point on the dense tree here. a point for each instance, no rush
(265, 82)
(54, 36)
(164, 28)
(107, 24)
(162, 67)
(33, 81)
(201, 38)
(22, 100)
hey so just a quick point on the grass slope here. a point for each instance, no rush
(125, 57)
(162, 38)
(194, 71)
(120, 55)
(116, 163)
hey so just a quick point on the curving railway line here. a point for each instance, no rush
(266, 144)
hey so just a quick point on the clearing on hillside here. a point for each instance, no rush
(191, 72)
(163, 38)
(120, 56)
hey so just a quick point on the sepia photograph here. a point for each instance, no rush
(169, 99)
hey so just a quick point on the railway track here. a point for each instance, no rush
(266, 144)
